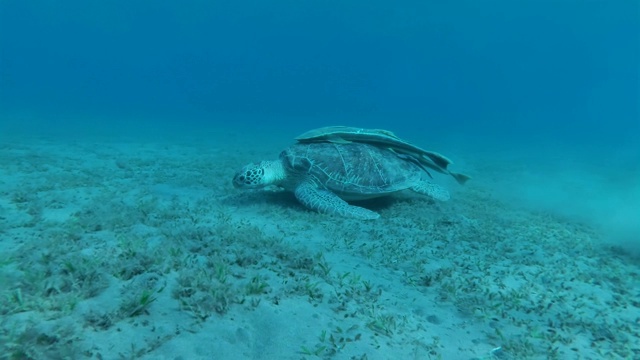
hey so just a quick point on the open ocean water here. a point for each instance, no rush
(123, 124)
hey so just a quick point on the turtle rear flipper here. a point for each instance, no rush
(460, 178)
(326, 202)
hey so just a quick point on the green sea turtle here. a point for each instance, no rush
(380, 137)
(324, 176)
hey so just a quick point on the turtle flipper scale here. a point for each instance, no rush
(326, 202)
(432, 190)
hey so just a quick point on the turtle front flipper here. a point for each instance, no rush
(326, 202)
(432, 190)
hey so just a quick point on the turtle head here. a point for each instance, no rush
(255, 176)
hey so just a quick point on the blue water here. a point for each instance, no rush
(565, 71)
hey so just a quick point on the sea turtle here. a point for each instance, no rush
(324, 176)
(380, 137)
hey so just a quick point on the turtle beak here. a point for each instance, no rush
(238, 180)
(241, 180)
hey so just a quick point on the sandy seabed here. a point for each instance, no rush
(144, 250)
